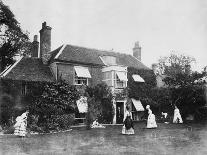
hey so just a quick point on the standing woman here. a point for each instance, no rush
(177, 117)
(151, 122)
(21, 125)
(128, 128)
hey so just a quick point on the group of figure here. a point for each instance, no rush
(128, 127)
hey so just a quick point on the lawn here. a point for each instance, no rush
(187, 139)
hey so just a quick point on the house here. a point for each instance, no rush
(76, 65)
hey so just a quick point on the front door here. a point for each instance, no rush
(119, 112)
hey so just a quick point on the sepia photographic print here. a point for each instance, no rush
(103, 77)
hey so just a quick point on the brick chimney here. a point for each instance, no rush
(45, 42)
(137, 51)
(35, 47)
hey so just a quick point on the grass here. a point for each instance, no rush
(166, 139)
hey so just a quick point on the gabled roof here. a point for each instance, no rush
(76, 54)
(28, 69)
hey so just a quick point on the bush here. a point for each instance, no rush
(54, 123)
(100, 104)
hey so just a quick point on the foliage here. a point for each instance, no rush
(57, 98)
(186, 93)
(12, 39)
(142, 91)
(175, 64)
(52, 104)
(100, 103)
(189, 98)
(54, 123)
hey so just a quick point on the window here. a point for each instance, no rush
(81, 81)
(81, 75)
(109, 60)
(119, 83)
(120, 79)
(107, 78)
(24, 89)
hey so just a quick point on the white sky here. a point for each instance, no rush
(161, 26)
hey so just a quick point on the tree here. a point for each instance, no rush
(177, 68)
(13, 40)
(186, 93)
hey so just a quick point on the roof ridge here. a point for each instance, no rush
(101, 50)
(60, 51)
(7, 70)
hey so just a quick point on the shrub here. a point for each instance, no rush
(100, 104)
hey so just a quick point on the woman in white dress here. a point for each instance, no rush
(128, 128)
(21, 125)
(151, 122)
(177, 117)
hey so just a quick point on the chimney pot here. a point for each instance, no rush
(35, 47)
(44, 25)
(137, 51)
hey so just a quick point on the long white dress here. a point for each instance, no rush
(151, 122)
(177, 117)
(124, 130)
(21, 125)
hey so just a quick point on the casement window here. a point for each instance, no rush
(24, 89)
(81, 80)
(82, 75)
(120, 79)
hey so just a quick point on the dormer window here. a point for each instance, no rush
(109, 60)
(82, 75)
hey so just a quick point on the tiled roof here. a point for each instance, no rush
(71, 53)
(29, 69)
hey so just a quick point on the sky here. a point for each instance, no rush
(160, 26)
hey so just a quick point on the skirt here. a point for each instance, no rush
(177, 118)
(127, 132)
(151, 123)
(20, 129)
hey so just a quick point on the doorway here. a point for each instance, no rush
(119, 112)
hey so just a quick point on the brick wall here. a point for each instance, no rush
(53, 67)
(67, 73)
(96, 75)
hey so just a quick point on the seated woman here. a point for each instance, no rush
(128, 127)
(95, 124)
(151, 122)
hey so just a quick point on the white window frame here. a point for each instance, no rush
(80, 79)
(116, 80)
